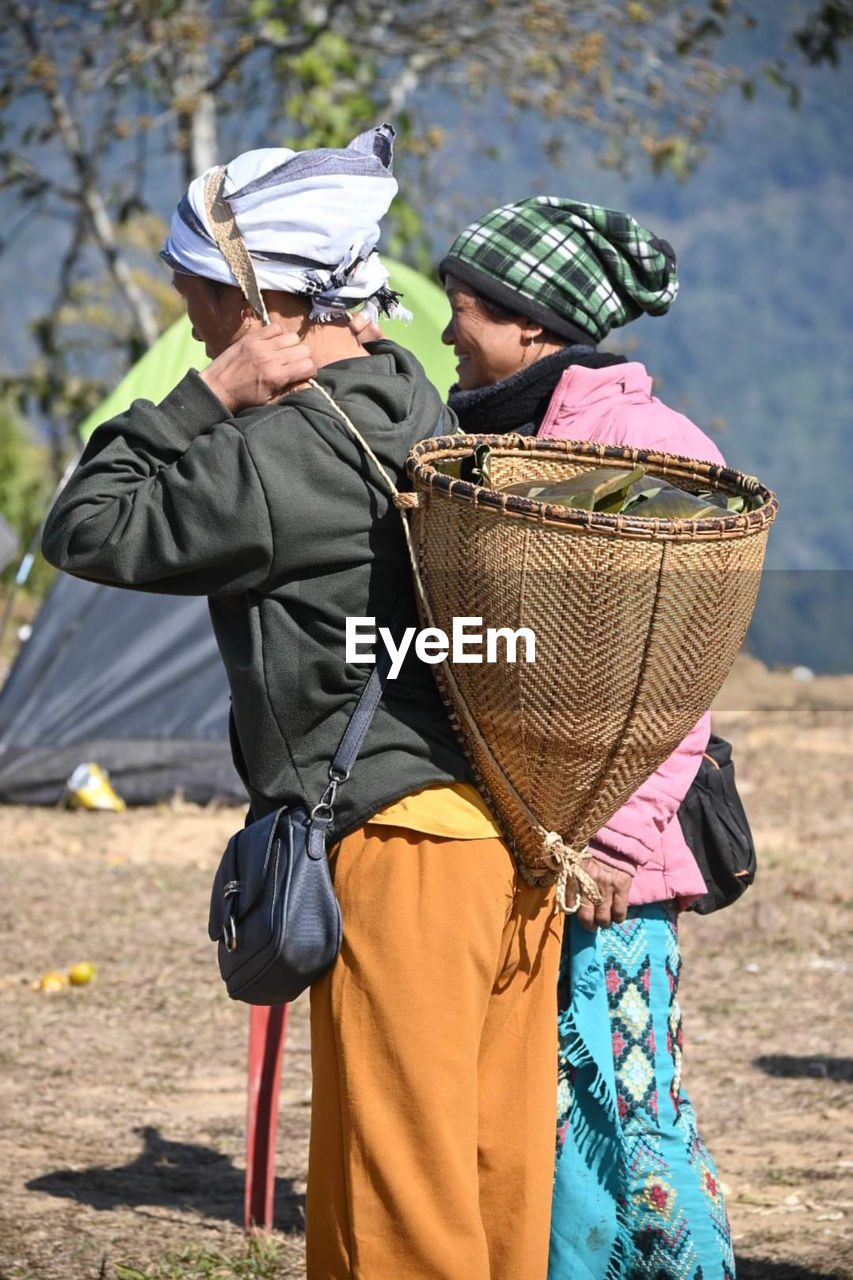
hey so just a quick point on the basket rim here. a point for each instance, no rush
(420, 467)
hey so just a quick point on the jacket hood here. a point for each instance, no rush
(383, 390)
(581, 389)
(616, 406)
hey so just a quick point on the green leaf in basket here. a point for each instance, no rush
(475, 467)
(481, 471)
(599, 489)
(646, 487)
(675, 504)
(732, 503)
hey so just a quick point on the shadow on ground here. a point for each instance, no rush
(764, 1269)
(818, 1067)
(175, 1175)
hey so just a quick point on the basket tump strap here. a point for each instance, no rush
(568, 863)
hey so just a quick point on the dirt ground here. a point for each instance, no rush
(124, 1100)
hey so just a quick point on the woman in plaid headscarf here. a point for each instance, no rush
(534, 287)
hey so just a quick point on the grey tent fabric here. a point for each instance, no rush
(128, 679)
(8, 543)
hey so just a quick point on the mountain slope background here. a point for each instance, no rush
(758, 347)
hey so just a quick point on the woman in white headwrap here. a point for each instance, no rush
(308, 219)
(433, 1035)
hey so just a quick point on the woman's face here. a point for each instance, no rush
(488, 350)
(217, 312)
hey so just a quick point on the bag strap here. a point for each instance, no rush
(354, 734)
(359, 722)
(566, 860)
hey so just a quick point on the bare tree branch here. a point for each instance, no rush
(135, 300)
(19, 169)
(98, 78)
(407, 80)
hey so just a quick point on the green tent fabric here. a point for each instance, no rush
(175, 351)
(133, 680)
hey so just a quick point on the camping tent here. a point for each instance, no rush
(133, 680)
(8, 543)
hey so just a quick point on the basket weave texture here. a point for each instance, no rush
(637, 623)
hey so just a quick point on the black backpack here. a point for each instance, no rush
(716, 829)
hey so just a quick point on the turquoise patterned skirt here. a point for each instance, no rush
(636, 1194)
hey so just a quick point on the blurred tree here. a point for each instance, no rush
(24, 487)
(94, 93)
(827, 28)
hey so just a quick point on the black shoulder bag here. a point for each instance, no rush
(273, 908)
(716, 829)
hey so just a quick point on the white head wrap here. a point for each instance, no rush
(309, 219)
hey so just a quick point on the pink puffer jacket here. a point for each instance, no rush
(616, 406)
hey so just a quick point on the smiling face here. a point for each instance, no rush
(218, 313)
(488, 349)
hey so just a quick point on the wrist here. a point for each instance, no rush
(616, 861)
(213, 382)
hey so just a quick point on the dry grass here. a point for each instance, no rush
(124, 1101)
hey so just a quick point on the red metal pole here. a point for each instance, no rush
(266, 1044)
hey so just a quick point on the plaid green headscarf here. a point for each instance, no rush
(578, 269)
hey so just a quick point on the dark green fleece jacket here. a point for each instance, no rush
(278, 518)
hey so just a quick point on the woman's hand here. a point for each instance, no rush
(259, 368)
(364, 329)
(614, 887)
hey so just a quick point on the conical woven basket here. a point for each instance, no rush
(636, 621)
